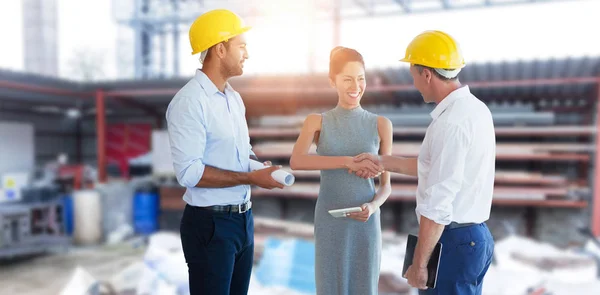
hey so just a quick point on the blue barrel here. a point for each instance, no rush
(146, 206)
(68, 214)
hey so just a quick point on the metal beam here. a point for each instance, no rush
(27, 112)
(382, 88)
(83, 95)
(43, 89)
(29, 103)
(101, 136)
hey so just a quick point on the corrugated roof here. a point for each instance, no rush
(395, 79)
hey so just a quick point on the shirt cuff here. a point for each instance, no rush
(439, 216)
(192, 175)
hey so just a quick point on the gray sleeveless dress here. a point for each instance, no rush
(348, 252)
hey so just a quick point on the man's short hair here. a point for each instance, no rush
(420, 68)
(205, 55)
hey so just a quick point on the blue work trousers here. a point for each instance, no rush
(466, 256)
(219, 250)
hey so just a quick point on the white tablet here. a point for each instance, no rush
(337, 213)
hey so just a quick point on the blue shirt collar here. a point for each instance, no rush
(208, 85)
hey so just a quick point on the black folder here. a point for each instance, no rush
(432, 266)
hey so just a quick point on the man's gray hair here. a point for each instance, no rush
(448, 74)
(444, 74)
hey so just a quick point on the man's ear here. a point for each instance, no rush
(221, 50)
(331, 82)
(428, 75)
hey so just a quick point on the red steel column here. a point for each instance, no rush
(101, 135)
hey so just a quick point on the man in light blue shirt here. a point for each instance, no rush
(211, 151)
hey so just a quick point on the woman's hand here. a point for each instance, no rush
(366, 168)
(367, 210)
(364, 173)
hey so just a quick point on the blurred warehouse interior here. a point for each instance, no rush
(86, 162)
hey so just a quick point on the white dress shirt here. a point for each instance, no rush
(208, 127)
(456, 163)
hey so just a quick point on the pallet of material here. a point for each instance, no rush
(513, 177)
(503, 151)
(277, 132)
(512, 196)
(408, 190)
(418, 118)
(171, 197)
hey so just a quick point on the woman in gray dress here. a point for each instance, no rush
(348, 250)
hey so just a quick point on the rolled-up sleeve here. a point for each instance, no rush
(448, 152)
(187, 136)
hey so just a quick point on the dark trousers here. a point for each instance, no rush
(218, 249)
(466, 256)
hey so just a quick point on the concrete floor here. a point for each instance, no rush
(48, 274)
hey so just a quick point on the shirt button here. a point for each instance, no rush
(472, 244)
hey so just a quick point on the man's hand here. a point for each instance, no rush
(367, 156)
(417, 277)
(267, 163)
(367, 210)
(364, 173)
(264, 179)
(371, 158)
(368, 168)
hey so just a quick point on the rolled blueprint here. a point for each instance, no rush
(279, 175)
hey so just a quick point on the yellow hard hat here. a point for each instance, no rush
(214, 27)
(434, 49)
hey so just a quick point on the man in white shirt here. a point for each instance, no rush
(455, 169)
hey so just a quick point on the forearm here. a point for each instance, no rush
(218, 178)
(311, 162)
(383, 193)
(402, 165)
(429, 234)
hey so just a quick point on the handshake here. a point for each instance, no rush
(365, 165)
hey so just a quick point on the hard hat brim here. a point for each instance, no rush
(224, 38)
(410, 61)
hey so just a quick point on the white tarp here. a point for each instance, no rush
(523, 265)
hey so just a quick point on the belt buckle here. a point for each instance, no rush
(246, 207)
